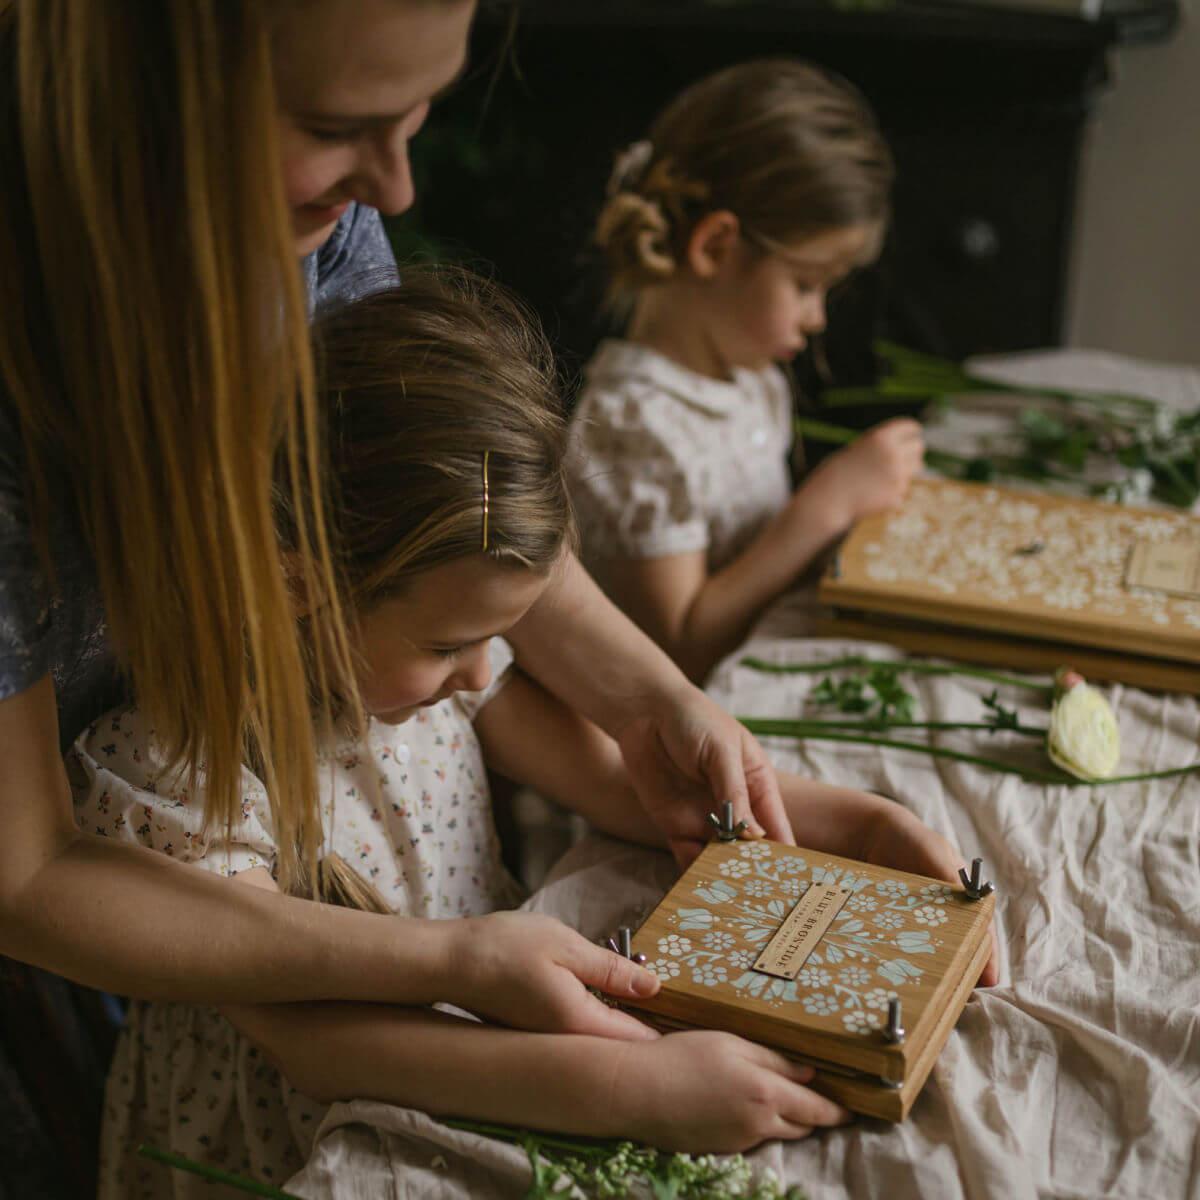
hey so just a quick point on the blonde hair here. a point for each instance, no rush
(419, 383)
(155, 348)
(790, 149)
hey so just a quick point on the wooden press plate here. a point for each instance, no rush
(899, 934)
(1003, 561)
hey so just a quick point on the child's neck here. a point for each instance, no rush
(667, 319)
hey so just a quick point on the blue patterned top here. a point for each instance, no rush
(63, 630)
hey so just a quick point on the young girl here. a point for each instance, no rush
(760, 188)
(452, 520)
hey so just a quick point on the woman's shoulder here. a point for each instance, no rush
(356, 259)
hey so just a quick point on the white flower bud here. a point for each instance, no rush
(1084, 739)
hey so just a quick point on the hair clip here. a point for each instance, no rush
(630, 166)
(486, 455)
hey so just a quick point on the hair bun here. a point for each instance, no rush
(635, 234)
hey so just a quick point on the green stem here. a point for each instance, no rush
(518, 1137)
(941, 726)
(215, 1174)
(767, 727)
(902, 665)
(770, 727)
(824, 432)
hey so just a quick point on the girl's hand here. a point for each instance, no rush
(871, 474)
(687, 759)
(872, 829)
(704, 1092)
(532, 972)
(897, 838)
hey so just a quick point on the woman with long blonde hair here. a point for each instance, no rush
(161, 170)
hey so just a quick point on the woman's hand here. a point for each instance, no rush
(533, 972)
(704, 1092)
(686, 759)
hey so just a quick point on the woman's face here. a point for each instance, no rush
(355, 79)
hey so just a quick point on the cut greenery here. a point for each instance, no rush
(1148, 449)
(566, 1169)
(1081, 740)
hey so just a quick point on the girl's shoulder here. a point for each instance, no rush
(630, 382)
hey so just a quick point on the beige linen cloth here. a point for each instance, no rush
(1078, 1076)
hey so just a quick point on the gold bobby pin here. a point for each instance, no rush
(486, 455)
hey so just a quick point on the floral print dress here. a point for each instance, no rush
(408, 808)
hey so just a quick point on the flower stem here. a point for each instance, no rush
(900, 664)
(518, 1137)
(1035, 731)
(767, 727)
(824, 432)
(214, 1174)
(781, 727)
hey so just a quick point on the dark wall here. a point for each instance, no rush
(984, 114)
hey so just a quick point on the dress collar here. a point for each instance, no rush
(619, 361)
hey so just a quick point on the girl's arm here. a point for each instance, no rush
(700, 618)
(699, 1092)
(684, 754)
(134, 921)
(704, 1092)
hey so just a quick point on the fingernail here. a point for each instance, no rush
(645, 983)
(755, 830)
(806, 1074)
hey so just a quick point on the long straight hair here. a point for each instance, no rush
(155, 347)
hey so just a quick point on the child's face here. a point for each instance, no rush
(774, 301)
(423, 646)
(355, 79)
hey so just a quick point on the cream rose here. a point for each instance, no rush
(1084, 738)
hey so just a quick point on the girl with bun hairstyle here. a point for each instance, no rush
(758, 190)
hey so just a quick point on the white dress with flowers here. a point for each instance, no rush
(408, 808)
(666, 461)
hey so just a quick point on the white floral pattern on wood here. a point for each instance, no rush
(870, 953)
(957, 547)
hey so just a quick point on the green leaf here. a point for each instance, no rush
(998, 716)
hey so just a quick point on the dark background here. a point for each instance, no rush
(984, 110)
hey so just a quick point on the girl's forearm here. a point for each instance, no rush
(571, 761)
(131, 920)
(580, 646)
(833, 819)
(725, 609)
(443, 1065)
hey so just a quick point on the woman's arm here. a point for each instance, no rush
(134, 921)
(685, 755)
